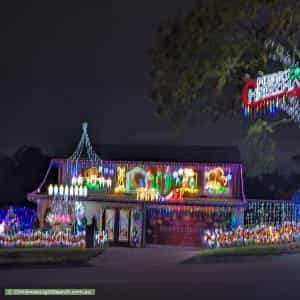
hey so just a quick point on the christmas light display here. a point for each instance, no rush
(100, 239)
(265, 93)
(2, 227)
(42, 239)
(159, 183)
(13, 219)
(174, 195)
(115, 185)
(77, 163)
(64, 199)
(192, 211)
(84, 143)
(147, 194)
(216, 182)
(270, 212)
(95, 178)
(183, 225)
(280, 54)
(153, 195)
(259, 235)
(135, 178)
(120, 187)
(186, 179)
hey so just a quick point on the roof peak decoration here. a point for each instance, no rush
(86, 144)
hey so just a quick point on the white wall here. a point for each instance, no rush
(92, 209)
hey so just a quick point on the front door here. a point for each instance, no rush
(117, 225)
(124, 226)
(110, 215)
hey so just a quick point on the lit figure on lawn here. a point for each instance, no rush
(11, 220)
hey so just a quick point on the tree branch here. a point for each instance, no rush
(280, 122)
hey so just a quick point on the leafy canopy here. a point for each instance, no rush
(199, 60)
(257, 149)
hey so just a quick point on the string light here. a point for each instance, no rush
(260, 212)
(42, 239)
(292, 108)
(84, 143)
(65, 199)
(259, 235)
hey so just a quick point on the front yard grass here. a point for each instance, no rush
(47, 255)
(236, 253)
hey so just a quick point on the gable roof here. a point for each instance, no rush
(205, 154)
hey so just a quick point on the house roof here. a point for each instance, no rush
(155, 153)
(205, 154)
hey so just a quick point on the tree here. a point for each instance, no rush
(257, 149)
(21, 174)
(200, 62)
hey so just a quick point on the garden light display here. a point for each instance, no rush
(100, 239)
(259, 235)
(42, 239)
(268, 92)
(2, 227)
(17, 218)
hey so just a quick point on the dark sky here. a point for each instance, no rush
(63, 62)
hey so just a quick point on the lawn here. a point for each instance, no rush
(240, 253)
(47, 255)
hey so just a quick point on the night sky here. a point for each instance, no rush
(63, 62)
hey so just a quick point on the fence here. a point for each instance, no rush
(269, 212)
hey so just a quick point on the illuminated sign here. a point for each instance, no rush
(270, 87)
